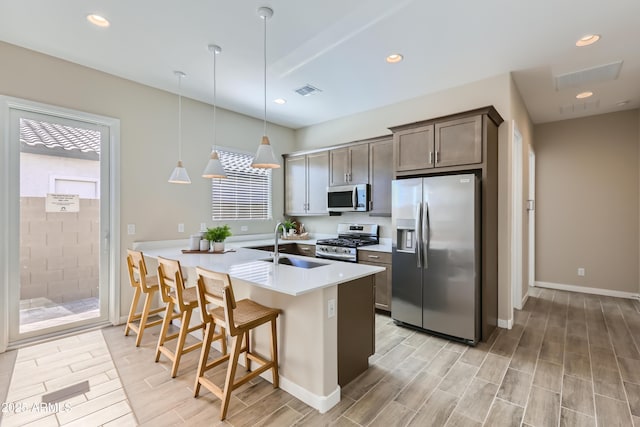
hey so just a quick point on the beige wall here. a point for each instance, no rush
(494, 91)
(587, 187)
(148, 142)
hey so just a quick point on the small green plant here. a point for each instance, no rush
(217, 234)
(289, 224)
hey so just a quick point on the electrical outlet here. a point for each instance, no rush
(131, 229)
(203, 226)
(580, 271)
(181, 228)
(244, 228)
(331, 308)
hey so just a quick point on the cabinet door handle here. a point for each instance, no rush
(345, 177)
(373, 256)
(437, 156)
(305, 249)
(430, 157)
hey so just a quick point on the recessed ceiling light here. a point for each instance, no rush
(280, 101)
(97, 20)
(394, 57)
(587, 39)
(583, 95)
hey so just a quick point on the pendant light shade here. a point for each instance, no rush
(179, 174)
(214, 167)
(265, 157)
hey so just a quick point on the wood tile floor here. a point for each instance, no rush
(570, 360)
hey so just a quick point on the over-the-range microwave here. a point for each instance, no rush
(348, 198)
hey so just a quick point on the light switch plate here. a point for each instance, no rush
(203, 226)
(180, 228)
(331, 308)
(131, 229)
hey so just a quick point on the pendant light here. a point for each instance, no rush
(265, 158)
(214, 167)
(179, 174)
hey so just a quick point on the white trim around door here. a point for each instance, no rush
(9, 214)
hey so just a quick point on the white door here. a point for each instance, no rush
(516, 224)
(531, 208)
(58, 220)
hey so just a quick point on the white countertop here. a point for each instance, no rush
(245, 264)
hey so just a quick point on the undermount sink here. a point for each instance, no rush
(295, 262)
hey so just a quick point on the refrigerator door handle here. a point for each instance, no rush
(418, 229)
(425, 235)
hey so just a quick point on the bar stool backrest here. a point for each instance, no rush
(215, 288)
(171, 281)
(137, 270)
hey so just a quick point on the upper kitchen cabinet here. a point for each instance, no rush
(458, 142)
(414, 148)
(306, 179)
(452, 143)
(349, 165)
(380, 176)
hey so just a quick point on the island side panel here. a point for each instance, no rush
(307, 338)
(356, 328)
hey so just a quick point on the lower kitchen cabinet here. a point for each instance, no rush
(382, 280)
(290, 248)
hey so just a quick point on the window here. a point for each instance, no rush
(245, 194)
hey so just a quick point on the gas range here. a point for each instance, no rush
(350, 237)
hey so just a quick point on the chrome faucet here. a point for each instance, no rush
(276, 254)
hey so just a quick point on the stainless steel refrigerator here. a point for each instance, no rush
(436, 254)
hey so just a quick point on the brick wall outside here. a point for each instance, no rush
(59, 252)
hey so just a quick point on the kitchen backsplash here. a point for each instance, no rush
(329, 224)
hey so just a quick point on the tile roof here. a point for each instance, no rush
(52, 135)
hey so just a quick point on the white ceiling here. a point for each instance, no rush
(339, 46)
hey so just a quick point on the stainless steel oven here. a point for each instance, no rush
(350, 237)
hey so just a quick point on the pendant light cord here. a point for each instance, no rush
(265, 76)
(179, 117)
(215, 129)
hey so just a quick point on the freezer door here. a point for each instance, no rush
(406, 288)
(451, 273)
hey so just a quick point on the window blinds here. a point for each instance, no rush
(245, 193)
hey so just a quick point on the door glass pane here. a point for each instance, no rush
(59, 223)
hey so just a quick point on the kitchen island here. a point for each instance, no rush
(326, 329)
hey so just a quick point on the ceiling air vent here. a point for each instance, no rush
(307, 90)
(601, 73)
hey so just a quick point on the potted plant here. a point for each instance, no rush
(289, 225)
(216, 237)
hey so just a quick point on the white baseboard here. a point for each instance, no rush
(525, 298)
(505, 323)
(319, 402)
(587, 290)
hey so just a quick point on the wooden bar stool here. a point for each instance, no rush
(175, 295)
(237, 318)
(142, 283)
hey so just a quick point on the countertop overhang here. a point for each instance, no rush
(247, 264)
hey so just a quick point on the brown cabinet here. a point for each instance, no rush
(306, 250)
(414, 148)
(458, 142)
(440, 144)
(290, 248)
(349, 165)
(306, 180)
(382, 280)
(380, 176)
